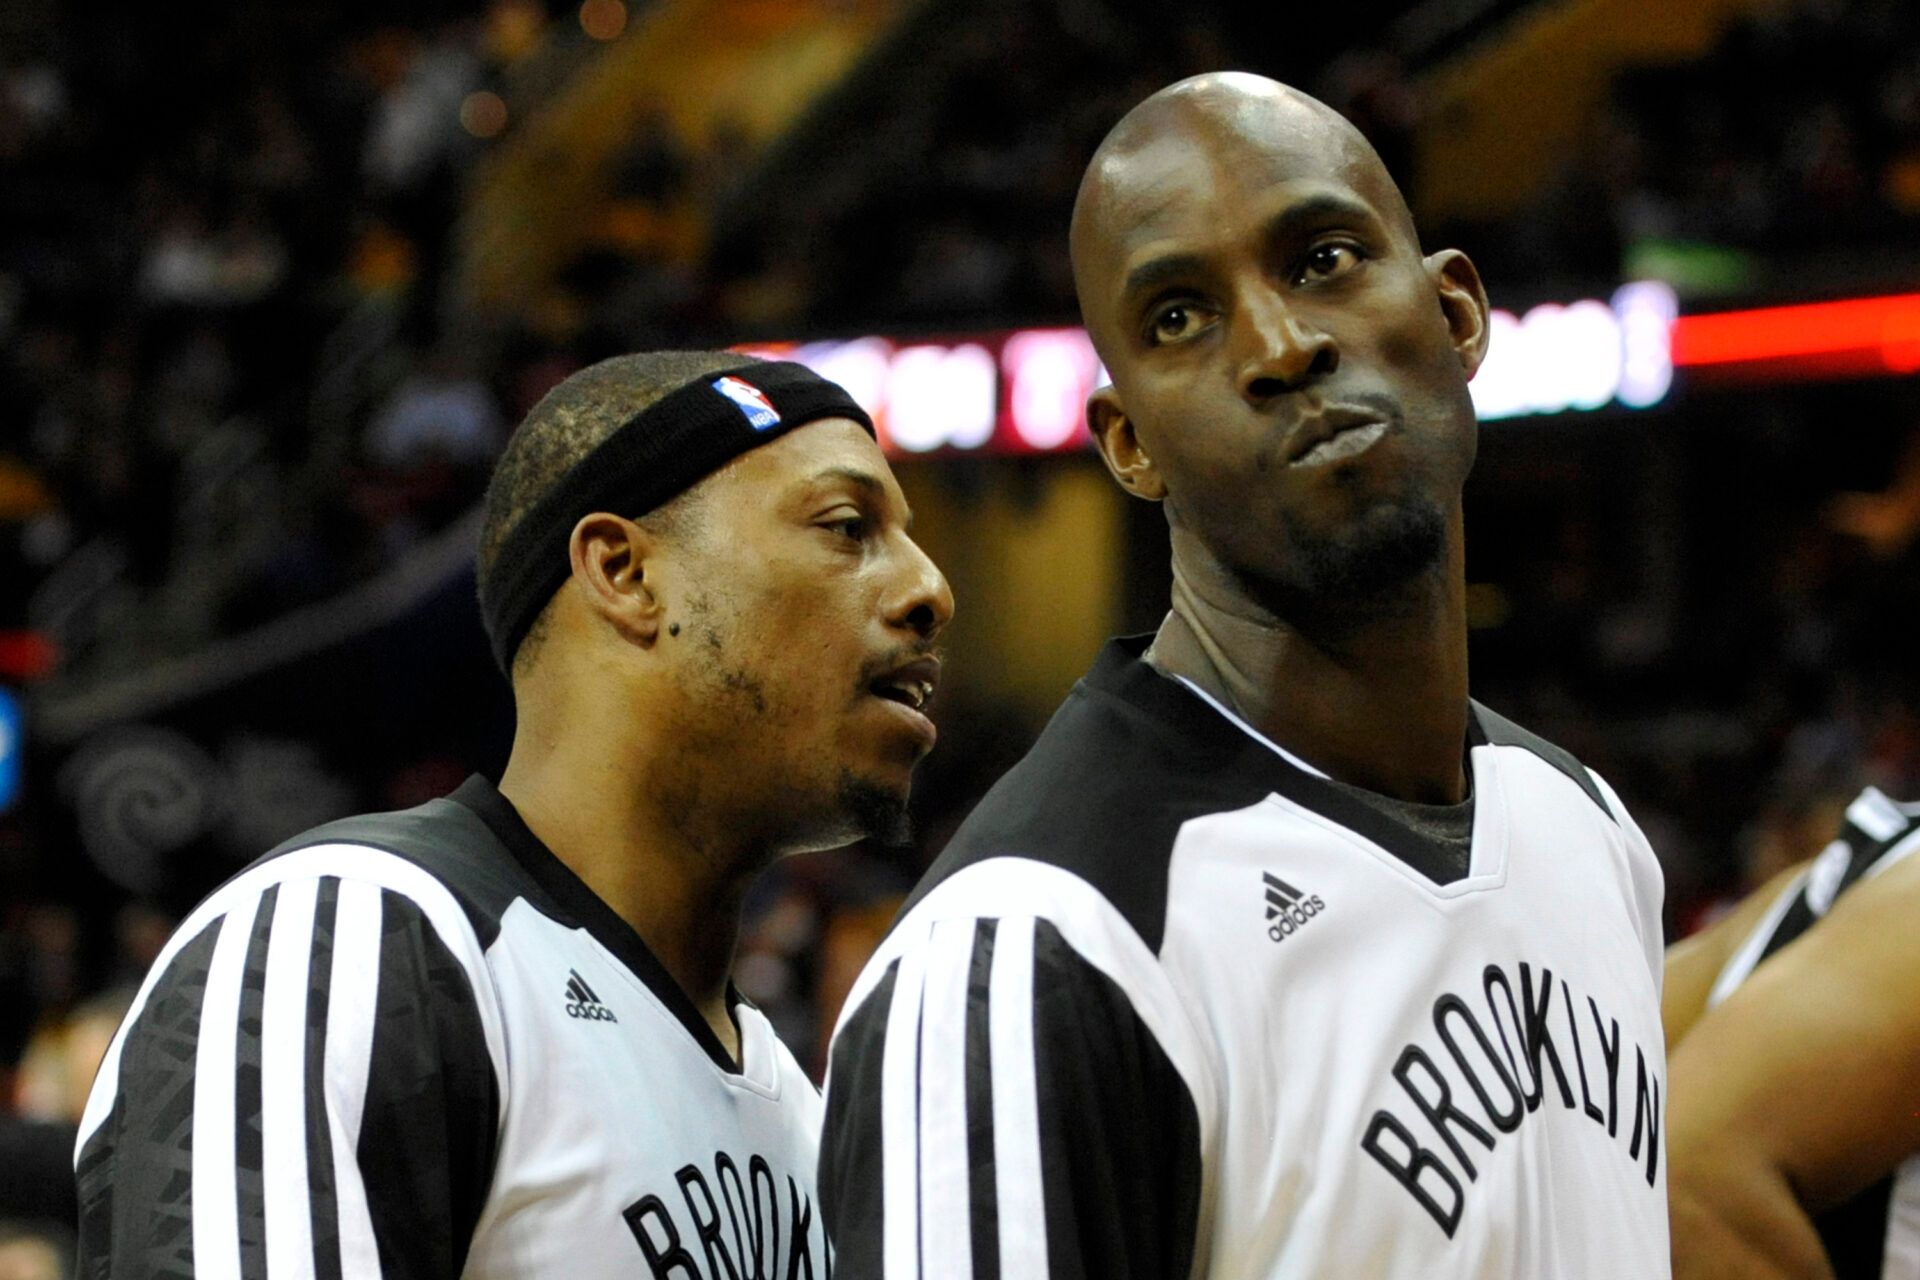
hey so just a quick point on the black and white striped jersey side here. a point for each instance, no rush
(415, 1045)
(1174, 1004)
(1876, 1234)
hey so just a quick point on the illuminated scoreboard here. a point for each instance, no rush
(1025, 391)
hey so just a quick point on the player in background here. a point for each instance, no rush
(1794, 1028)
(495, 1035)
(1277, 956)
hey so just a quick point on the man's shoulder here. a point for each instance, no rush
(438, 850)
(1489, 728)
(1103, 794)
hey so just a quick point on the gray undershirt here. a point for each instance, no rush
(1448, 825)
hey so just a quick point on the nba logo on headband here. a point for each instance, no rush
(753, 402)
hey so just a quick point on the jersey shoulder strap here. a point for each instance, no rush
(1876, 833)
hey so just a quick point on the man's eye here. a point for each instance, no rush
(853, 527)
(1173, 323)
(1325, 261)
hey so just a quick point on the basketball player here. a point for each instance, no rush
(495, 1035)
(1276, 956)
(1795, 1027)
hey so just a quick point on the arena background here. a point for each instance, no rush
(276, 281)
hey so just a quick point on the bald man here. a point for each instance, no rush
(1278, 956)
(494, 1035)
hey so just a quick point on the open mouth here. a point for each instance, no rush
(911, 693)
(911, 684)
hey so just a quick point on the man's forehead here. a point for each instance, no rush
(812, 454)
(1184, 167)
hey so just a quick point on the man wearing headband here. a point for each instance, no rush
(495, 1035)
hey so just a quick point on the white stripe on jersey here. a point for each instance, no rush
(1748, 955)
(899, 1120)
(1018, 1190)
(1098, 934)
(1904, 849)
(946, 1225)
(353, 997)
(349, 863)
(283, 1084)
(216, 1213)
(1902, 1257)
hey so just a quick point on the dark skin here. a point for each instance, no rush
(703, 704)
(1290, 380)
(1799, 1091)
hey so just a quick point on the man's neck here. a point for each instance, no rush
(1376, 698)
(630, 843)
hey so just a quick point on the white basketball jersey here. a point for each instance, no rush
(1172, 1004)
(416, 1045)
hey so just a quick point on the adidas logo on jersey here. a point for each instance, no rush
(1288, 910)
(582, 1003)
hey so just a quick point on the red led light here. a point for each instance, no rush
(1857, 337)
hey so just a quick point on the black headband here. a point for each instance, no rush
(659, 453)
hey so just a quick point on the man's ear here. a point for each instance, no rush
(1463, 300)
(610, 557)
(1120, 447)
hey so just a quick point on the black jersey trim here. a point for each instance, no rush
(580, 907)
(1130, 758)
(1490, 728)
(1121, 672)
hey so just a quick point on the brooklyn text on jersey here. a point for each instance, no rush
(416, 1045)
(1080, 1052)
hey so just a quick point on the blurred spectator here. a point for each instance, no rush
(35, 1250)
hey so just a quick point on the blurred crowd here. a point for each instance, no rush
(235, 380)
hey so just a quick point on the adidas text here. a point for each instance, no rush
(591, 1012)
(1288, 910)
(583, 1003)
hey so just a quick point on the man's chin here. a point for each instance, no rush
(875, 810)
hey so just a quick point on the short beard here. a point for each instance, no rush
(1351, 573)
(878, 813)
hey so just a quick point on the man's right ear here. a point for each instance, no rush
(609, 557)
(1120, 447)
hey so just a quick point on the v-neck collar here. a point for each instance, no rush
(1186, 712)
(588, 910)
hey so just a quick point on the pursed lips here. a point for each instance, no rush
(1333, 434)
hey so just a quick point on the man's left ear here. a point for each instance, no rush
(1463, 300)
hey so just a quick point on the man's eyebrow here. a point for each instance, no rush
(1321, 207)
(1169, 268)
(1155, 272)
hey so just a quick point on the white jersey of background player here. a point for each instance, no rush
(1277, 956)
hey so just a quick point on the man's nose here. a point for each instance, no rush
(1282, 350)
(924, 603)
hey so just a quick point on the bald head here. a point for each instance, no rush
(1171, 151)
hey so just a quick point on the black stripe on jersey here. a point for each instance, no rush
(982, 1197)
(135, 1173)
(1119, 1134)
(322, 1199)
(1854, 1233)
(427, 1133)
(1492, 728)
(250, 1199)
(1798, 919)
(852, 1203)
